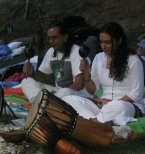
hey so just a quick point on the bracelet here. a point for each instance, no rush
(88, 80)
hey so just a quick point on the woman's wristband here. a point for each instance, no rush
(87, 78)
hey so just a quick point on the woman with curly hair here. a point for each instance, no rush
(119, 72)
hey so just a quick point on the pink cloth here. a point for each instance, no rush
(16, 77)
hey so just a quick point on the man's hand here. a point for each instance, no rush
(28, 69)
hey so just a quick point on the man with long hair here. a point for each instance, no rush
(59, 71)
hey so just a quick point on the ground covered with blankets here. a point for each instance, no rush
(10, 78)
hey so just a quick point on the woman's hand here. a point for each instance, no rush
(85, 69)
(88, 82)
(101, 101)
(84, 65)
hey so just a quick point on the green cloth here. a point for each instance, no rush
(138, 126)
(99, 92)
(16, 99)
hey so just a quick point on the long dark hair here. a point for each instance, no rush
(63, 30)
(120, 50)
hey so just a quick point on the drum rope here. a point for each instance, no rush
(39, 134)
(55, 106)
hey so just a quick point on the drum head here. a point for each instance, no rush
(33, 110)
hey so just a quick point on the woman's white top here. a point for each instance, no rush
(132, 85)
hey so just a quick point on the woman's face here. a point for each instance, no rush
(105, 43)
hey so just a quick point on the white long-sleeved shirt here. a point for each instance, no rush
(132, 85)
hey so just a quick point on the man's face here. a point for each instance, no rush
(56, 40)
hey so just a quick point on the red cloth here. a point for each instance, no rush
(14, 91)
(26, 105)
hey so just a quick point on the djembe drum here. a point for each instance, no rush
(42, 130)
(63, 115)
(69, 122)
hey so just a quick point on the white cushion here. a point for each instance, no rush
(14, 45)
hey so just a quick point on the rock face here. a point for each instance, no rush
(15, 22)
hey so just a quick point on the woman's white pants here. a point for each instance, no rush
(118, 111)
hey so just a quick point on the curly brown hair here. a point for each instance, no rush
(120, 50)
